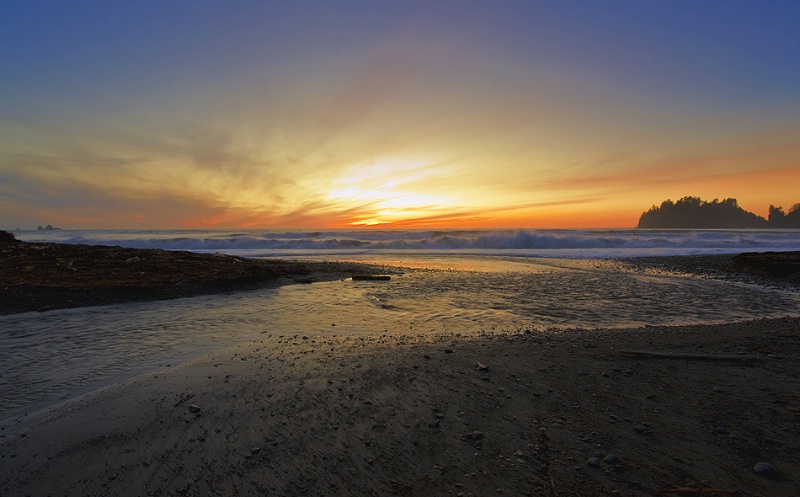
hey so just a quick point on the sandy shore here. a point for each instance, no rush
(521, 414)
(447, 415)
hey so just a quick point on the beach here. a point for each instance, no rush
(400, 249)
(497, 412)
(404, 415)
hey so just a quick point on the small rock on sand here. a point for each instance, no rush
(764, 469)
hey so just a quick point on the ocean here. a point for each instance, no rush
(461, 282)
(587, 243)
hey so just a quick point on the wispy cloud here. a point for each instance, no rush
(415, 114)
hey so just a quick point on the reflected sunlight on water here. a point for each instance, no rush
(47, 356)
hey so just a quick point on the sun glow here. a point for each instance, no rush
(389, 192)
(369, 222)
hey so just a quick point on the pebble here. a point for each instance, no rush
(721, 430)
(611, 459)
(593, 462)
(640, 428)
(475, 435)
(764, 469)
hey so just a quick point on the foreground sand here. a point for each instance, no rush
(447, 415)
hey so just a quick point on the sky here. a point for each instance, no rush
(393, 114)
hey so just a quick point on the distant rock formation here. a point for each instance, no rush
(779, 219)
(48, 227)
(695, 213)
(6, 237)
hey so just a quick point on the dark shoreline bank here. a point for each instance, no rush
(47, 276)
(781, 269)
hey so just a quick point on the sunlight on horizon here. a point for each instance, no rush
(465, 114)
(390, 191)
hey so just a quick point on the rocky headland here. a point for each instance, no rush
(44, 276)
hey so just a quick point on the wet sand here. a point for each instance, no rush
(446, 415)
(499, 414)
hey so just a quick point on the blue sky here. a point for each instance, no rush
(408, 114)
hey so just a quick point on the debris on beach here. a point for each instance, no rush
(184, 398)
(764, 469)
(699, 357)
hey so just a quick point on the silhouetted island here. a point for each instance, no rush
(696, 213)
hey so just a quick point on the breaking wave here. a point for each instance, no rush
(531, 243)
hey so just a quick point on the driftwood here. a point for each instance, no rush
(698, 357)
(692, 490)
(184, 398)
(371, 277)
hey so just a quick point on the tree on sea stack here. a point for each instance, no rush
(780, 219)
(696, 213)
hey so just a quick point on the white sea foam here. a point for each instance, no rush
(519, 243)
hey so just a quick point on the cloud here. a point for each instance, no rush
(473, 126)
(643, 170)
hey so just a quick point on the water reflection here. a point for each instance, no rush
(47, 356)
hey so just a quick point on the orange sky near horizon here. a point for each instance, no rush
(409, 115)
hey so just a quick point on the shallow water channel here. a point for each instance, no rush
(54, 355)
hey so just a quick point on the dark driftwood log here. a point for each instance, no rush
(701, 490)
(698, 357)
(371, 277)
